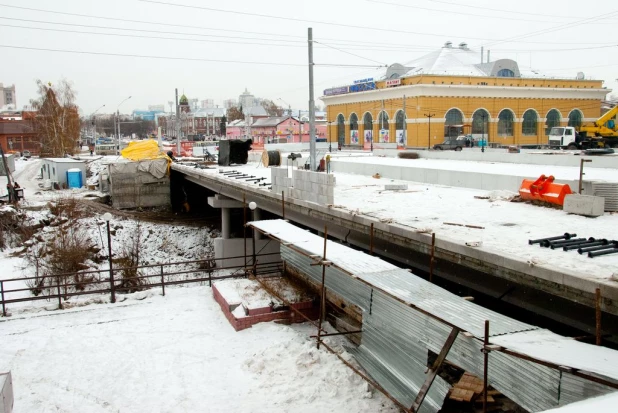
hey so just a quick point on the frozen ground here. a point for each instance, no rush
(176, 353)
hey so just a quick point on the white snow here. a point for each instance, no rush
(602, 404)
(176, 353)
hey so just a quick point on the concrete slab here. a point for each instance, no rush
(587, 205)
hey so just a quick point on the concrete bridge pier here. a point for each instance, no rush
(230, 252)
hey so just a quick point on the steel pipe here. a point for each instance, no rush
(576, 241)
(586, 244)
(550, 244)
(565, 236)
(597, 248)
(593, 254)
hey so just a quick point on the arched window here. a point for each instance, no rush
(453, 123)
(400, 120)
(383, 120)
(368, 127)
(479, 122)
(553, 120)
(575, 118)
(505, 73)
(340, 128)
(505, 123)
(353, 122)
(528, 125)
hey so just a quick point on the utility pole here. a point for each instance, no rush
(177, 125)
(405, 124)
(429, 116)
(300, 129)
(312, 154)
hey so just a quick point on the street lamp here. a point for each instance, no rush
(107, 217)
(118, 120)
(483, 143)
(252, 207)
(289, 106)
(94, 125)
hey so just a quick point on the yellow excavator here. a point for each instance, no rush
(602, 133)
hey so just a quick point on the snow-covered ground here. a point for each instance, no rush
(176, 353)
(506, 226)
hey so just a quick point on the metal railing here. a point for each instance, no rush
(57, 286)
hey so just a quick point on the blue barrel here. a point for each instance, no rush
(74, 178)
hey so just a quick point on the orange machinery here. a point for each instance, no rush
(544, 189)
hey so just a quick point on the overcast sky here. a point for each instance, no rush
(262, 45)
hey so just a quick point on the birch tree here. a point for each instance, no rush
(57, 121)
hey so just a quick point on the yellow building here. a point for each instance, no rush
(452, 92)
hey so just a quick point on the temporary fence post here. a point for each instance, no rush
(59, 296)
(162, 281)
(244, 226)
(323, 294)
(433, 251)
(485, 365)
(598, 316)
(253, 247)
(371, 239)
(2, 294)
(282, 204)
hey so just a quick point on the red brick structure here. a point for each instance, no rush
(264, 314)
(17, 133)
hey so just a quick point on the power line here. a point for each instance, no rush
(381, 29)
(352, 54)
(460, 13)
(179, 58)
(145, 22)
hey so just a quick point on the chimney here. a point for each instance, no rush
(482, 53)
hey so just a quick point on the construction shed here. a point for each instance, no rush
(55, 170)
(139, 184)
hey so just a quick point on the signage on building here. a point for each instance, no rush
(361, 87)
(369, 79)
(393, 82)
(336, 91)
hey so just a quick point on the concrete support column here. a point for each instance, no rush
(225, 223)
(257, 216)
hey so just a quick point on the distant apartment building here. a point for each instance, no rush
(247, 100)
(156, 108)
(194, 104)
(7, 96)
(207, 104)
(230, 103)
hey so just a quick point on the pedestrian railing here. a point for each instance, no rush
(132, 279)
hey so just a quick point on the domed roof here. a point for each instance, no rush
(184, 100)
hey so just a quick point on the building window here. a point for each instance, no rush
(453, 123)
(368, 122)
(340, 128)
(383, 120)
(505, 73)
(528, 125)
(479, 122)
(505, 123)
(575, 118)
(553, 120)
(353, 122)
(400, 120)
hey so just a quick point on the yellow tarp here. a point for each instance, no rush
(144, 150)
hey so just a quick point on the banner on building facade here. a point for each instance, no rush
(354, 137)
(384, 136)
(368, 135)
(399, 135)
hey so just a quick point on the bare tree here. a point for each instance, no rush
(271, 108)
(57, 121)
(235, 113)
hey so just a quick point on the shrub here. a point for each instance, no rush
(408, 155)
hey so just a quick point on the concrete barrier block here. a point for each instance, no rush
(330, 199)
(330, 179)
(587, 205)
(395, 187)
(322, 200)
(315, 187)
(322, 179)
